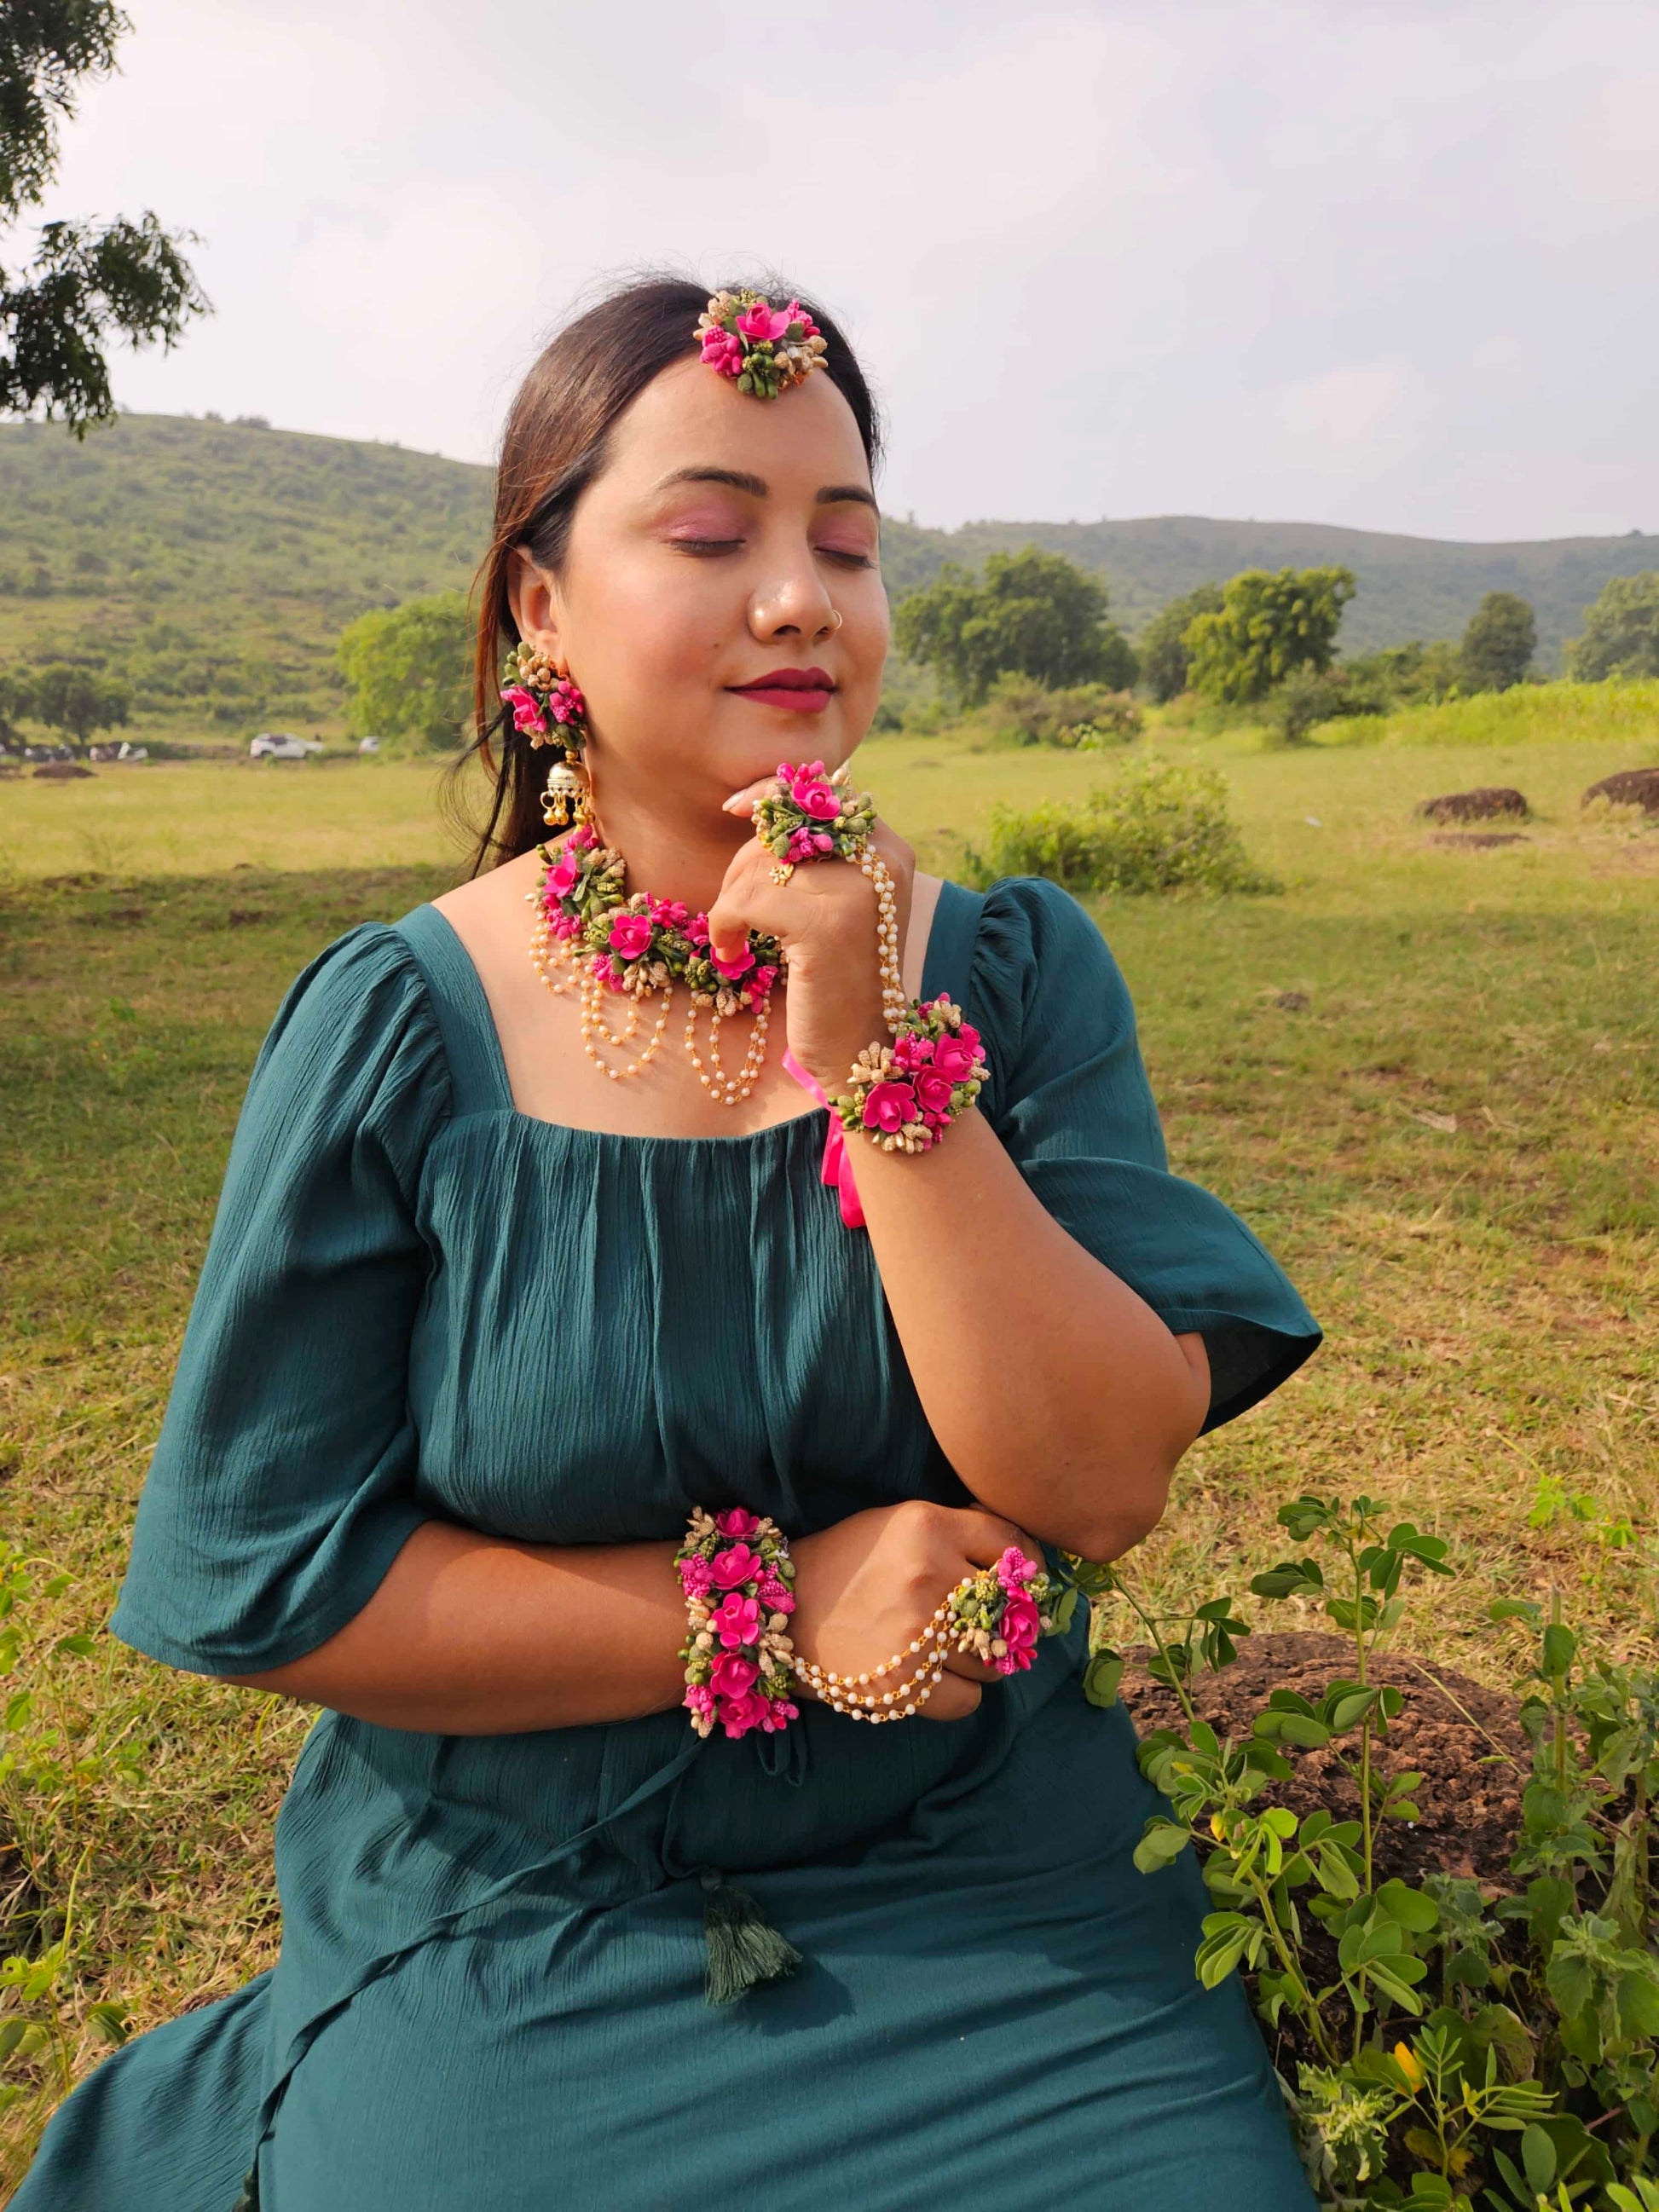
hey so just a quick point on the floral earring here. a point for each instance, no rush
(547, 705)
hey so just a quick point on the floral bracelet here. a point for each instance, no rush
(735, 1570)
(904, 1095)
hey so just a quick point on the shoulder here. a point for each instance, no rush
(1036, 948)
(355, 1035)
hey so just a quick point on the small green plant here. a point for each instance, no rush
(1444, 2047)
(1089, 717)
(45, 1757)
(1154, 827)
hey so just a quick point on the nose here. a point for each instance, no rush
(794, 603)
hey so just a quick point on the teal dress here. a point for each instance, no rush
(419, 1301)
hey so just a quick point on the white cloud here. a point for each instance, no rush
(1389, 266)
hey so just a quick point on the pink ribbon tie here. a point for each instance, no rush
(837, 1168)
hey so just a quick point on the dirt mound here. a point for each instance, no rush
(1470, 1794)
(1476, 839)
(60, 772)
(1489, 803)
(1632, 786)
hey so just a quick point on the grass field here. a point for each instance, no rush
(1428, 1076)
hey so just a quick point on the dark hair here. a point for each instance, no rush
(553, 446)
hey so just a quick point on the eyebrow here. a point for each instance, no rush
(756, 487)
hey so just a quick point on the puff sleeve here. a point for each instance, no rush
(281, 1488)
(1068, 1097)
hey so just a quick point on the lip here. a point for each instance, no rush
(797, 691)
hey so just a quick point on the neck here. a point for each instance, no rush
(686, 859)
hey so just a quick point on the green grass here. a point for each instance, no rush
(1428, 1076)
(1553, 714)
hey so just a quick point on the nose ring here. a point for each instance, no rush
(836, 618)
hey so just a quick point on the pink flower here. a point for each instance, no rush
(1018, 1629)
(759, 985)
(890, 1106)
(953, 1058)
(913, 1051)
(738, 966)
(738, 1715)
(737, 1621)
(797, 313)
(565, 702)
(562, 876)
(815, 795)
(1014, 1570)
(699, 1697)
(630, 935)
(694, 1578)
(722, 351)
(779, 1713)
(567, 925)
(670, 913)
(732, 1676)
(761, 325)
(696, 930)
(526, 708)
(776, 1596)
(932, 1091)
(736, 1521)
(737, 1564)
(580, 838)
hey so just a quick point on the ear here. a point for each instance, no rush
(534, 596)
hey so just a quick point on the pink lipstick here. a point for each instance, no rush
(797, 691)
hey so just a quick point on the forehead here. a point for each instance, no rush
(690, 416)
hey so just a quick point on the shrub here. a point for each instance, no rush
(1441, 2046)
(1268, 624)
(1498, 644)
(1621, 631)
(1313, 696)
(1089, 715)
(1165, 660)
(1155, 827)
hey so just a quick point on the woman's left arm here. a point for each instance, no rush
(1058, 1395)
(1055, 1392)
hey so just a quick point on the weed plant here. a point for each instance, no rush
(1155, 827)
(1445, 2045)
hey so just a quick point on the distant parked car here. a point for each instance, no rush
(281, 744)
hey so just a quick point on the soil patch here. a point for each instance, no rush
(1476, 839)
(60, 772)
(1487, 803)
(1470, 1796)
(1632, 786)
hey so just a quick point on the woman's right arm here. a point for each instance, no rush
(475, 1635)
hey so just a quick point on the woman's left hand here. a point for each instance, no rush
(824, 918)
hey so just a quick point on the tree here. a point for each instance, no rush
(1163, 656)
(79, 702)
(89, 283)
(16, 700)
(1621, 631)
(1499, 643)
(1030, 614)
(410, 670)
(1268, 623)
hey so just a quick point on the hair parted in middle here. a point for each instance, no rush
(553, 445)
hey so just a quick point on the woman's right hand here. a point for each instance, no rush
(867, 1587)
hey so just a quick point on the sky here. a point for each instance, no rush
(1379, 264)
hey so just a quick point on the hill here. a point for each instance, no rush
(216, 563)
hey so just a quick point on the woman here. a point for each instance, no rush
(501, 1295)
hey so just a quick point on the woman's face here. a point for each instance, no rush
(715, 549)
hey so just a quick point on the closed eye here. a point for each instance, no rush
(705, 545)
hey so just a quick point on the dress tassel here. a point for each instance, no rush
(744, 1949)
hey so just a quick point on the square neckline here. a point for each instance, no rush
(472, 1043)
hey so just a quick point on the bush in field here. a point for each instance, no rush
(1621, 631)
(1030, 614)
(1413, 675)
(1023, 713)
(1155, 827)
(1498, 644)
(1269, 625)
(410, 670)
(1313, 696)
(1165, 658)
